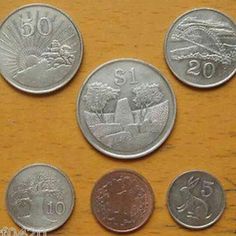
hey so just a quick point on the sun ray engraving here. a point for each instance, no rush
(54, 35)
(64, 32)
(14, 45)
(8, 45)
(37, 48)
(14, 36)
(8, 51)
(71, 36)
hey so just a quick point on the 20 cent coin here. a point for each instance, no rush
(200, 48)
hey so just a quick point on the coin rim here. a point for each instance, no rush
(140, 177)
(31, 229)
(201, 226)
(77, 29)
(216, 84)
(125, 156)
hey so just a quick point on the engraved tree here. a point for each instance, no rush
(97, 96)
(145, 96)
(28, 197)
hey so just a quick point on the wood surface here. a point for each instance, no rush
(44, 128)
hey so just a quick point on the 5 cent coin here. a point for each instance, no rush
(40, 198)
(126, 108)
(122, 201)
(41, 49)
(200, 48)
(196, 199)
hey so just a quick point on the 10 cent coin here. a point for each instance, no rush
(40, 198)
(122, 201)
(200, 48)
(126, 108)
(40, 47)
(196, 199)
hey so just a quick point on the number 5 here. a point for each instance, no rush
(207, 190)
(27, 24)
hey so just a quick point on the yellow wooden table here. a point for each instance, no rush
(44, 128)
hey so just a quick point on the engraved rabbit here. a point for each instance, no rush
(194, 207)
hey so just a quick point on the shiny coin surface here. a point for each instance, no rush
(196, 200)
(200, 48)
(40, 198)
(40, 47)
(126, 108)
(122, 201)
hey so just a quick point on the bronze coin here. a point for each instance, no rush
(122, 201)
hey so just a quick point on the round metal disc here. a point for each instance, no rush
(40, 198)
(122, 201)
(126, 108)
(200, 48)
(41, 49)
(196, 200)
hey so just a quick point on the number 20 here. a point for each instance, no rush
(208, 69)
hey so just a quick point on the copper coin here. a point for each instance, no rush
(122, 201)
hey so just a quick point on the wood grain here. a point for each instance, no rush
(44, 128)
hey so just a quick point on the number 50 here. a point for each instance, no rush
(28, 28)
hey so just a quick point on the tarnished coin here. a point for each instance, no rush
(122, 201)
(40, 198)
(40, 47)
(126, 108)
(196, 200)
(200, 48)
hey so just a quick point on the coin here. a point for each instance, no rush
(196, 199)
(126, 108)
(122, 201)
(41, 48)
(200, 48)
(40, 198)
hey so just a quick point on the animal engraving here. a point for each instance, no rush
(193, 206)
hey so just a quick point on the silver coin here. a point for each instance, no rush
(196, 200)
(200, 48)
(40, 198)
(126, 108)
(40, 47)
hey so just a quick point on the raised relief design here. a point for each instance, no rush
(39, 49)
(125, 123)
(195, 204)
(204, 40)
(38, 197)
(122, 201)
